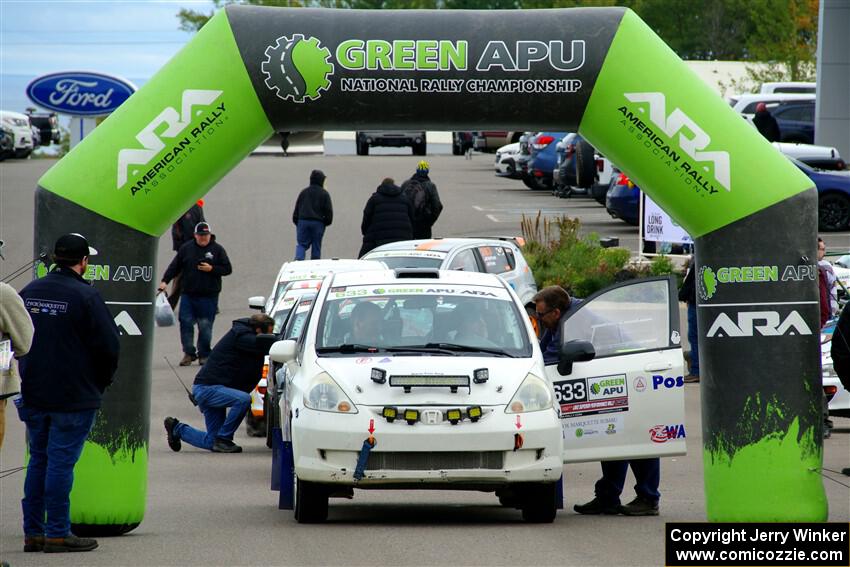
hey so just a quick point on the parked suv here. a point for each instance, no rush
(19, 125)
(395, 139)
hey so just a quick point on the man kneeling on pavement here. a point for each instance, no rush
(233, 369)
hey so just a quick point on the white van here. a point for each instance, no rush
(795, 87)
(20, 126)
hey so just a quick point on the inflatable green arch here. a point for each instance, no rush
(602, 71)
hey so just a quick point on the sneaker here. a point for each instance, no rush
(640, 506)
(202, 360)
(692, 379)
(68, 543)
(596, 506)
(225, 446)
(188, 359)
(33, 543)
(173, 440)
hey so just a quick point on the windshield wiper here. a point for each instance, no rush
(348, 347)
(467, 348)
(429, 349)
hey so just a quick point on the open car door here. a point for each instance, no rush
(628, 401)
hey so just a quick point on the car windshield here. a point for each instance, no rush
(844, 261)
(415, 319)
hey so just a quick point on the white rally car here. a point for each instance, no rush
(426, 378)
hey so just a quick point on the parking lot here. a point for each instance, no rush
(214, 509)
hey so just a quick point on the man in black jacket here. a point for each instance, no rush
(72, 360)
(202, 263)
(313, 213)
(422, 194)
(226, 380)
(183, 231)
(765, 123)
(388, 217)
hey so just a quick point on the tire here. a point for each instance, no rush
(311, 502)
(272, 413)
(255, 427)
(420, 149)
(457, 150)
(585, 165)
(22, 154)
(362, 149)
(533, 183)
(539, 502)
(833, 212)
(508, 499)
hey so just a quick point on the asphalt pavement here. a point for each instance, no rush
(215, 509)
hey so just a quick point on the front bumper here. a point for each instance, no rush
(326, 447)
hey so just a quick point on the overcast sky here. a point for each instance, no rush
(132, 39)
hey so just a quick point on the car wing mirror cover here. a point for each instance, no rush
(574, 351)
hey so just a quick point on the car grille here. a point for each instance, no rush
(431, 461)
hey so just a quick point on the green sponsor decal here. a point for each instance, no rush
(753, 484)
(678, 140)
(109, 487)
(170, 142)
(709, 279)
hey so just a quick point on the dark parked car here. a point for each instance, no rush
(796, 120)
(576, 166)
(623, 199)
(541, 161)
(47, 124)
(833, 196)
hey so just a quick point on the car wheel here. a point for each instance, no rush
(508, 498)
(833, 211)
(22, 154)
(419, 149)
(599, 192)
(362, 149)
(585, 165)
(534, 183)
(539, 504)
(311, 502)
(254, 426)
(457, 147)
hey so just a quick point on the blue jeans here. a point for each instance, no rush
(308, 234)
(55, 443)
(647, 476)
(213, 402)
(693, 338)
(200, 310)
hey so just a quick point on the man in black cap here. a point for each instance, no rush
(72, 360)
(313, 213)
(202, 263)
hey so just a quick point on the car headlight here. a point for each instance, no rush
(325, 395)
(534, 394)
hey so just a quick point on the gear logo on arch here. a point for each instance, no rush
(707, 283)
(297, 68)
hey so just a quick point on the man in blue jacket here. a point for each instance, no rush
(234, 368)
(72, 360)
(202, 262)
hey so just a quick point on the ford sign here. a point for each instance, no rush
(80, 93)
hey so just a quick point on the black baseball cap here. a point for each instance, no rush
(72, 247)
(203, 228)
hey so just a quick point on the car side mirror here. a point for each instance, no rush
(283, 351)
(257, 302)
(574, 351)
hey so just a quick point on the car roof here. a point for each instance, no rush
(386, 277)
(444, 245)
(321, 268)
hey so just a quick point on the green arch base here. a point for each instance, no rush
(600, 71)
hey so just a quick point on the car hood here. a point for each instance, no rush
(353, 376)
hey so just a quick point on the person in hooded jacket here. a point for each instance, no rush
(422, 194)
(183, 231)
(388, 217)
(224, 383)
(202, 263)
(312, 215)
(765, 123)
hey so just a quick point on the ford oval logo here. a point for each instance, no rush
(80, 93)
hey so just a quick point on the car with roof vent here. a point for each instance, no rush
(422, 378)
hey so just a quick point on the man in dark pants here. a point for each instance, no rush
(183, 231)
(688, 294)
(840, 351)
(202, 263)
(226, 380)
(552, 304)
(73, 358)
(312, 215)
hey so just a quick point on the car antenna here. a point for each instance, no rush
(191, 397)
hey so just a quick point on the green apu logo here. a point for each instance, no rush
(709, 279)
(579, 432)
(297, 69)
